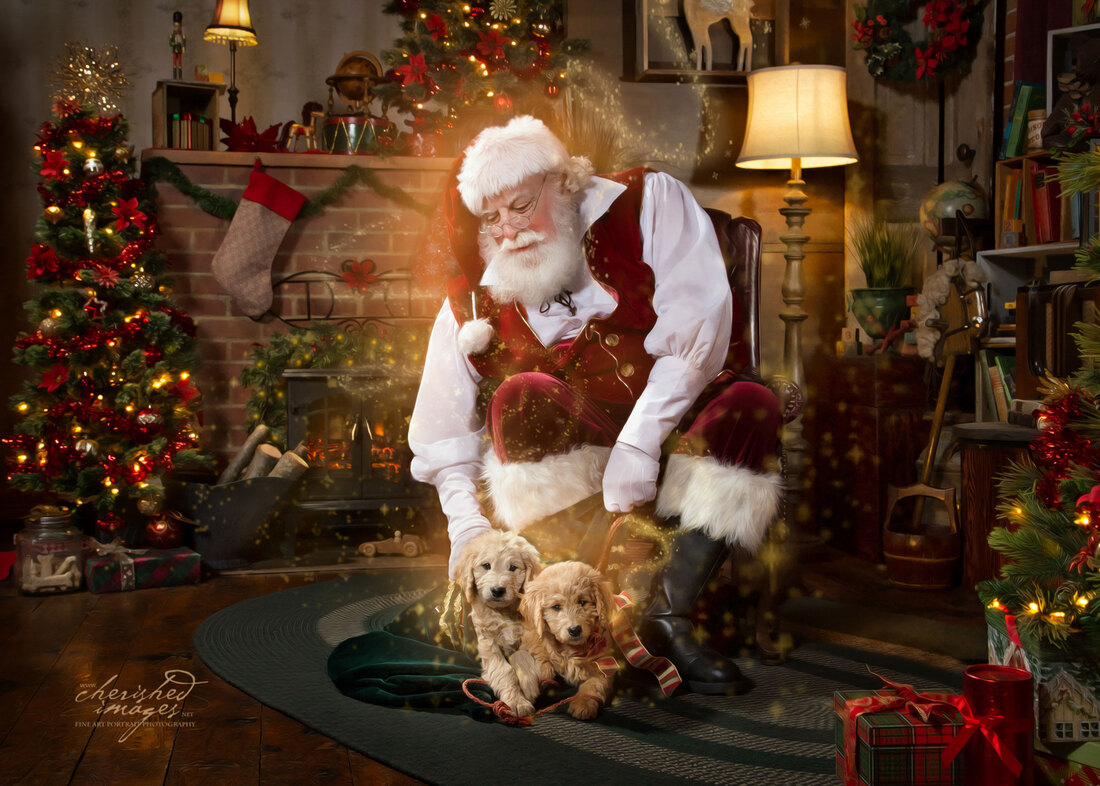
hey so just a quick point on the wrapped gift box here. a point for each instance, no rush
(1053, 771)
(895, 746)
(142, 569)
(1067, 684)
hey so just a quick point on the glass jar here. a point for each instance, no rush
(49, 553)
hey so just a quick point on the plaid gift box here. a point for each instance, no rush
(877, 745)
(130, 569)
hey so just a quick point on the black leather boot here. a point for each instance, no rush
(666, 628)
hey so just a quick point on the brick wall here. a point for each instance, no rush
(361, 225)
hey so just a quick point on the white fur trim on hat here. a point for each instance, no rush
(474, 336)
(501, 157)
(726, 502)
(523, 492)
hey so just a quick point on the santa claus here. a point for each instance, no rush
(586, 350)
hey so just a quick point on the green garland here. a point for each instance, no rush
(324, 346)
(160, 168)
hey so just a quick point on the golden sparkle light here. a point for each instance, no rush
(90, 76)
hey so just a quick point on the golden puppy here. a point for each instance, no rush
(492, 572)
(567, 611)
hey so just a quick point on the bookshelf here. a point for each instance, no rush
(194, 99)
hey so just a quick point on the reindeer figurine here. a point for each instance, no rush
(701, 14)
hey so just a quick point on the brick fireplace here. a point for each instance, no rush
(361, 225)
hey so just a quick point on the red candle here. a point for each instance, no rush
(1009, 693)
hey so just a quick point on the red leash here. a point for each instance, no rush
(503, 711)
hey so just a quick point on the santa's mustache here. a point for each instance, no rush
(525, 238)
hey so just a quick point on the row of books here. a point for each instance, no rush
(1026, 97)
(1052, 218)
(190, 131)
(998, 380)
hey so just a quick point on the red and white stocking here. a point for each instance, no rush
(242, 264)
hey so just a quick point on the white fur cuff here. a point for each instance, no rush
(725, 502)
(523, 492)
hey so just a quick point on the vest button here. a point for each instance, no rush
(612, 340)
(627, 369)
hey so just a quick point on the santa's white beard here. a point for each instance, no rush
(539, 273)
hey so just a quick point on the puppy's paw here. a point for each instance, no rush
(523, 708)
(584, 707)
(546, 671)
(527, 673)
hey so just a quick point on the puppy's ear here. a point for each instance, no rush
(605, 599)
(530, 606)
(532, 563)
(464, 573)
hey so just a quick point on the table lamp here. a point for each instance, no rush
(797, 119)
(232, 23)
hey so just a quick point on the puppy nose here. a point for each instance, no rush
(498, 592)
(574, 631)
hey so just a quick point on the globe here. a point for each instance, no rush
(945, 201)
(352, 81)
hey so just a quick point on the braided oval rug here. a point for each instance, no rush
(276, 647)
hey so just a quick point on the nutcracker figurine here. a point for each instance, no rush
(178, 42)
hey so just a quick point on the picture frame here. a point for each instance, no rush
(658, 45)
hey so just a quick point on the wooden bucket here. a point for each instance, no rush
(922, 556)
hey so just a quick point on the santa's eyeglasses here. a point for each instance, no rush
(520, 218)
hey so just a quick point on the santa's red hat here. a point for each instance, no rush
(502, 157)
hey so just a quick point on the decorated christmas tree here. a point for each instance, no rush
(458, 60)
(1049, 590)
(110, 408)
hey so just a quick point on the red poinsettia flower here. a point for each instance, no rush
(926, 61)
(55, 377)
(53, 164)
(104, 276)
(184, 390)
(436, 26)
(359, 275)
(244, 136)
(128, 213)
(41, 262)
(415, 71)
(491, 46)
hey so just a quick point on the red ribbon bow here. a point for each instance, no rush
(924, 706)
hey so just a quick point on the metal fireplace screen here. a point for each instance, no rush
(353, 423)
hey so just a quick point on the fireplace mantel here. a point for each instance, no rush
(298, 160)
(362, 225)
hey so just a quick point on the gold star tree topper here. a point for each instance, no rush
(90, 77)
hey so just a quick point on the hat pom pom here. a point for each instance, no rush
(474, 336)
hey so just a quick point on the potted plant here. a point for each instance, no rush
(886, 253)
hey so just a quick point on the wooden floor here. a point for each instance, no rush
(55, 651)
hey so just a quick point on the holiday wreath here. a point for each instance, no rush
(953, 26)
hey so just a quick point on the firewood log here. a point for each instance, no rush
(302, 450)
(244, 455)
(264, 459)
(290, 465)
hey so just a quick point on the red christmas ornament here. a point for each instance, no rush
(503, 102)
(108, 527)
(552, 89)
(163, 532)
(150, 421)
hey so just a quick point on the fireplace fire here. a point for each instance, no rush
(353, 423)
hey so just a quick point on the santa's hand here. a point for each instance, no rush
(630, 478)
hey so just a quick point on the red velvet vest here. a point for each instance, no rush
(607, 359)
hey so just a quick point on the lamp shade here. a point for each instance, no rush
(797, 112)
(231, 22)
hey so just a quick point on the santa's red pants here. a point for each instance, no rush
(532, 415)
